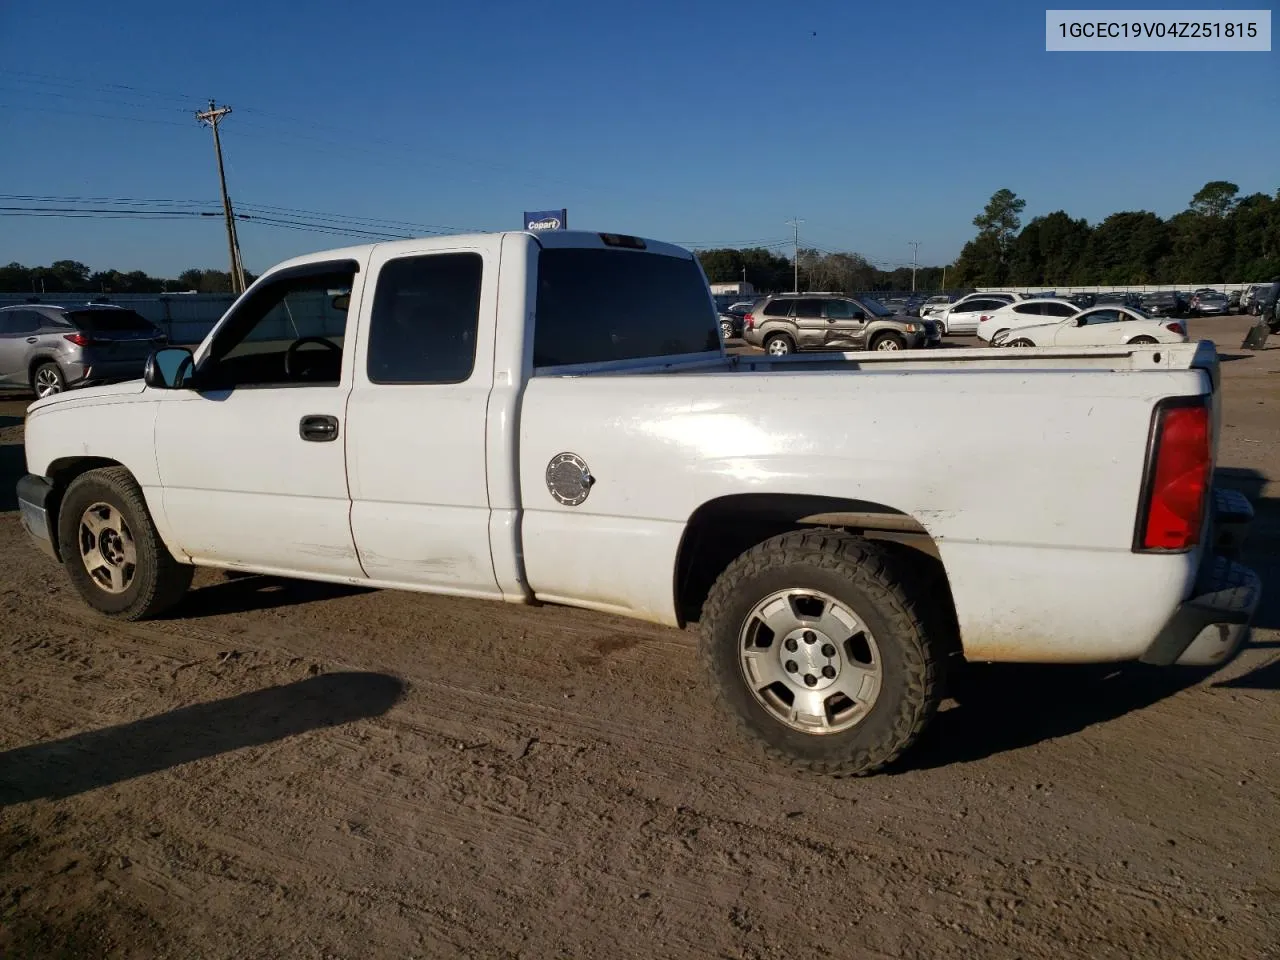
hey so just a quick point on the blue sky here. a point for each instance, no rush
(698, 122)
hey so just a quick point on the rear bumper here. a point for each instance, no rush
(113, 371)
(35, 495)
(1209, 628)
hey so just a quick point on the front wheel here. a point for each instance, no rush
(111, 550)
(1020, 342)
(888, 341)
(817, 649)
(779, 345)
(1142, 341)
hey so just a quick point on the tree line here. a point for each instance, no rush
(819, 270)
(1220, 237)
(72, 276)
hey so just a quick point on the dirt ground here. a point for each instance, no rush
(294, 770)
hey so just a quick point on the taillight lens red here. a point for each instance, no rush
(1183, 459)
(79, 339)
(983, 319)
(1176, 328)
(749, 322)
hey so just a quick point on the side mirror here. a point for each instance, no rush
(169, 368)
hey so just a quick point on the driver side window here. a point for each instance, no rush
(1101, 316)
(288, 332)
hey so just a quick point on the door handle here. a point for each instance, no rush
(32, 339)
(319, 427)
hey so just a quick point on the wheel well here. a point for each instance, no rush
(721, 530)
(63, 471)
(35, 364)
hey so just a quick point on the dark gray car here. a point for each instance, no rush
(48, 349)
(786, 324)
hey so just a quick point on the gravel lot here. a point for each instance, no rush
(298, 770)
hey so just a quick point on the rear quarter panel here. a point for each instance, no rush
(1028, 480)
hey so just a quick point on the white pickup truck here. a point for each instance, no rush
(553, 418)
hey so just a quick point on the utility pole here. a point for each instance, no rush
(795, 222)
(212, 117)
(915, 261)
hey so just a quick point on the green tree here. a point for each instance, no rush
(1215, 199)
(986, 258)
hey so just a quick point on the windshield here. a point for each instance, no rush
(600, 305)
(875, 308)
(109, 321)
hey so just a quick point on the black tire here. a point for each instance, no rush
(1143, 340)
(864, 577)
(783, 339)
(157, 582)
(996, 334)
(47, 377)
(880, 341)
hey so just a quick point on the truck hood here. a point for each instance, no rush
(107, 393)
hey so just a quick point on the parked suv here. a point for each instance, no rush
(49, 349)
(785, 324)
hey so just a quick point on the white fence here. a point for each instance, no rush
(1131, 288)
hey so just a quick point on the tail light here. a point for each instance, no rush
(749, 322)
(983, 319)
(1176, 328)
(79, 339)
(1179, 462)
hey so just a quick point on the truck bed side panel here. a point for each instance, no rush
(1028, 481)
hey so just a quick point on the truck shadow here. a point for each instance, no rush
(1003, 707)
(243, 593)
(1262, 548)
(99, 758)
(13, 464)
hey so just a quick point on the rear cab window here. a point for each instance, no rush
(598, 306)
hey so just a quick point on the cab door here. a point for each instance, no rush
(250, 456)
(811, 325)
(417, 457)
(846, 325)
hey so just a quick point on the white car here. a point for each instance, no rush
(1024, 313)
(965, 314)
(1099, 327)
(935, 306)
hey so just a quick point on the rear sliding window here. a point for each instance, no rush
(108, 321)
(600, 305)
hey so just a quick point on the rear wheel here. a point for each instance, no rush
(111, 550)
(888, 341)
(819, 652)
(726, 329)
(779, 345)
(998, 333)
(47, 379)
(1020, 342)
(1143, 340)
